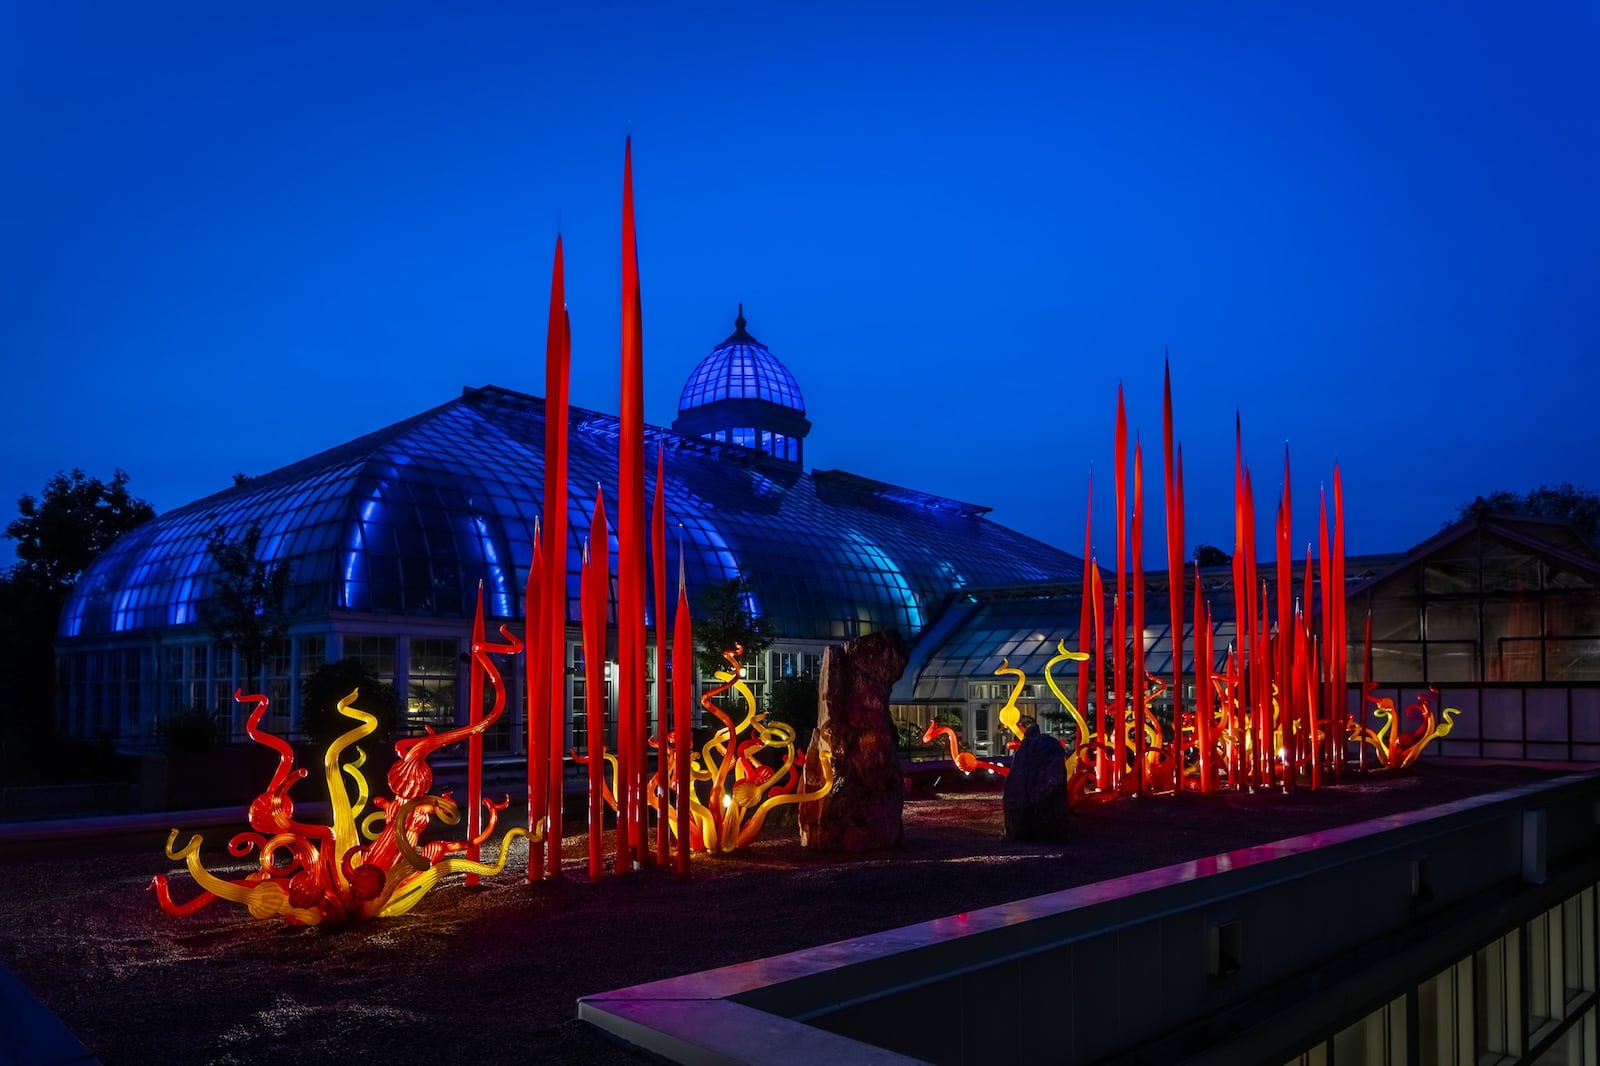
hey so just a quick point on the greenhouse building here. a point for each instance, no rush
(388, 537)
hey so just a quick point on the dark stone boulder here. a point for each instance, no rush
(1035, 800)
(863, 810)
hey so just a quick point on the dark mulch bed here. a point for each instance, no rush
(492, 974)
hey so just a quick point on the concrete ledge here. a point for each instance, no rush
(719, 1032)
(1170, 910)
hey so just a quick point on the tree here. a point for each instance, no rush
(1211, 555)
(793, 700)
(1566, 502)
(60, 533)
(722, 618)
(249, 613)
(329, 683)
(28, 618)
(192, 729)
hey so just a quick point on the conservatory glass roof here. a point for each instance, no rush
(408, 520)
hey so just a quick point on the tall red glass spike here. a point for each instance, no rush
(1310, 673)
(1175, 568)
(1284, 661)
(1241, 603)
(1177, 652)
(1119, 604)
(1283, 654)
(1325, 612)
(682, 709)
(1102, 764)
(534, 652)
(1232, 718)
(1259, 666)
(1340, 635)
(1136, 688)
(1085, 640)
(553, 628)
(475, 740)
(658, 566)
(1292, 699)
(1202, 687)
(630, 527)
(593, 592)
(1253, 664)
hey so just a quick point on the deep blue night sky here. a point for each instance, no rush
(233, 238)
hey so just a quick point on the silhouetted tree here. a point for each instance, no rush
(1211, 555)
(324, 687)
(189, 730)
(723, 618)
(58, 534)
(793, 700)
(1566, 501)
(249, 614)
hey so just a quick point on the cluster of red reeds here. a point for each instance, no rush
(1274, 715)
(634, 789)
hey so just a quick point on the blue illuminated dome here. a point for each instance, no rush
(741, 394)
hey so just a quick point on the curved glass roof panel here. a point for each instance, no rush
(408, 521)
(1023, 625)
(741, 370)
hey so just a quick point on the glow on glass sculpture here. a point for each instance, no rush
(1273, 716)
(746, 770)
(362, 864)
(743, 787)
(1396, 747)
(965, 761)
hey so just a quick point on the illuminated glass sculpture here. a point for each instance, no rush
(746, 770)
(965, 761)
(362, 864)
(1273, 717)
(1398, 748)
(744, 787)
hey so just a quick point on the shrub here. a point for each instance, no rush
(324, 687)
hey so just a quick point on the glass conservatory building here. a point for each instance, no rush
(1500, 613)
(387, 538)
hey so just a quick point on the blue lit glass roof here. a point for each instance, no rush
(407, 521)
(741, 368)
(1021, 625)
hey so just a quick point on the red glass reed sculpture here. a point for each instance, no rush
(1273, 717)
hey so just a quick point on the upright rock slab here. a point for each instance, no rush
(1035, 799)
(863, 810)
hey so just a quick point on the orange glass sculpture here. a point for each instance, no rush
(362, 864)
(1398, 748)
(745, 771)
(965, 761)
(744, 787)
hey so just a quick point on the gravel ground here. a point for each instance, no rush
(491, 974)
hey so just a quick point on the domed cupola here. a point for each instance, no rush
(741, 394)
